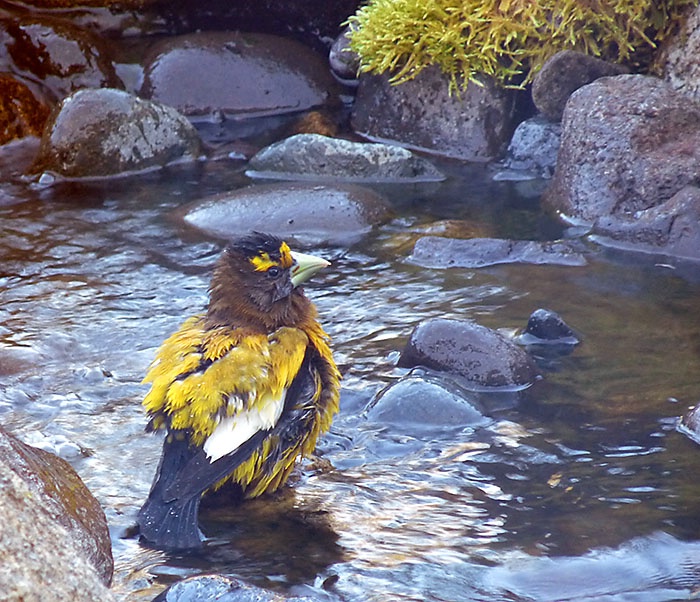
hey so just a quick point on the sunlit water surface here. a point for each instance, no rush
(579, 488)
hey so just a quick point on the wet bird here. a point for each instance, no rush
(242, 390)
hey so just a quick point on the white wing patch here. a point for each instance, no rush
(233, 432)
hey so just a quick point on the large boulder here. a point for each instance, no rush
(629, 143)
(107, 132)
(484, 357)
(679, 59)
(309, 214)
(22, 113)
(55, 543)
(241, 74)
(315, 157)
(474, 124)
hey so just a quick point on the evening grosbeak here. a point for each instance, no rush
(242, 391)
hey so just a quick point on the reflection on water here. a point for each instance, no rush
(582, 489)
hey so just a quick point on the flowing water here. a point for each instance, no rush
(579, 488)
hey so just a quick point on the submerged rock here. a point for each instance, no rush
(107, 132)
(309, 214)
(475, 124)
(241, 74)
(439, 252)
(484, 357)
(55, 539)
(315, 157)
(420, 404)
(218, 588)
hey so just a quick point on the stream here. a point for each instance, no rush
(579, 488)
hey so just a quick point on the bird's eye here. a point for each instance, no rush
(273, 272)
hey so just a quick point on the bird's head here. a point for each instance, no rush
(257, 280)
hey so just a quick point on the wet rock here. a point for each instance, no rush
(562, 75)
(55, 537)
(484, 357)
(690, 424)
(308, 214)
(475, 124)
(217, 588)
(315, 157)
(403, 241)
(534, 146)
(678, 60)
(343, 61)
(629, 143)
(547, 327)
(21, 112)
(439, 252)
(58, 55)
(239, 74)
(671, 228)
(106, 132)
(422, 403)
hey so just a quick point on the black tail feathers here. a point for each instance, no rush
(170, 526)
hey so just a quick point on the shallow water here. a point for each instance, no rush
(579, 488)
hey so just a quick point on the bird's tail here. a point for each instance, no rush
(170, 526)
(170, 521)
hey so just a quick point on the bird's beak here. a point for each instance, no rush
(305, 266)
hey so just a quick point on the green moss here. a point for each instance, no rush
(506, 39)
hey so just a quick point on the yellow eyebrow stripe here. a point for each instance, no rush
(262, 262)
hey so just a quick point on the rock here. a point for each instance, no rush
(484, 357)
(55, 537)
(629, 143)
(218, 588)
(678, 60)
(422, 404)
(474, 125)
(402, 241)
(21, 112)
(344, 62)
(671, 228)
(60, 56)
(534, 146)
(308, 214)
(239, 74)
(439, 252)
(690, 424)
(563, 74)
(106, 132)
(546, 327)
(315, 157)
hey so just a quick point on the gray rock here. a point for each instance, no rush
(484, 357)
(422, 404)
(690, 424)
(440, 252)
(629, 143)
(308, 214)
(475, 124)
(343, 61)
(241, 74)
(562, 75)
(107, 132)
(534, 146)
(680, 64)
(218, 588)
(316, 157)
(671, 228)
(53, 532)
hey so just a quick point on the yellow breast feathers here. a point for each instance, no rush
(222, 380)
